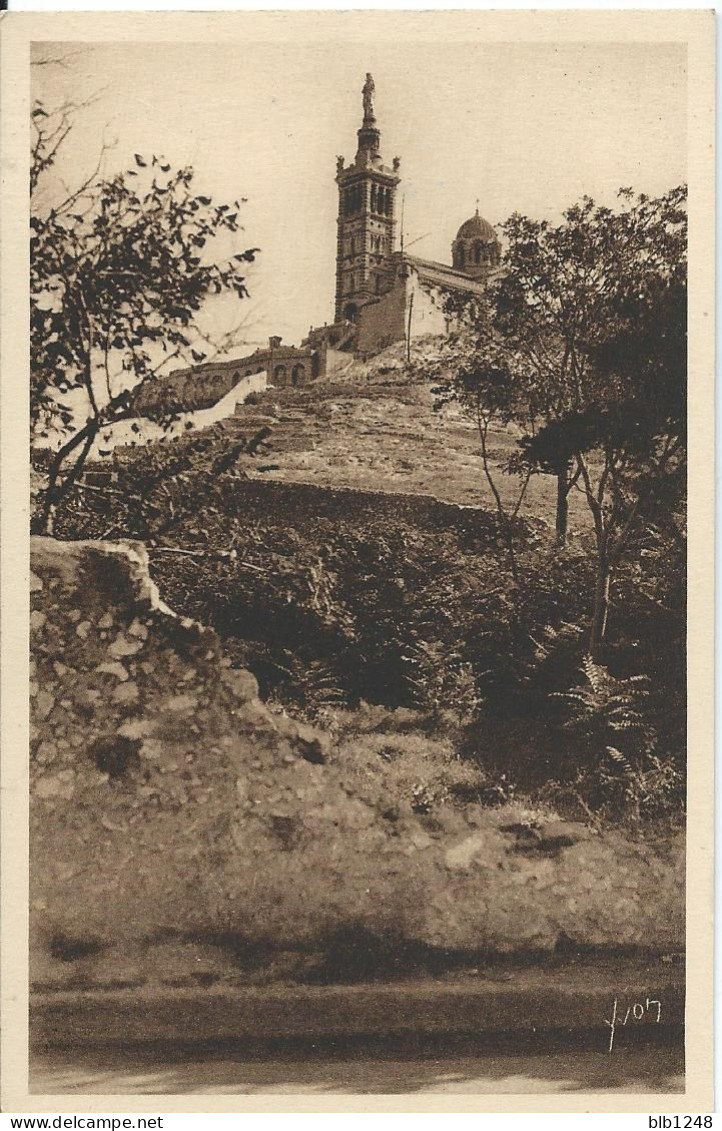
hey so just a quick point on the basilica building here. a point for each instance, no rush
(383, 294)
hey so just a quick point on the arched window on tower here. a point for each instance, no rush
(477, 253)
(461, 256)
(374, 197)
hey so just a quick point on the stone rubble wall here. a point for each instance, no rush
(293, 500)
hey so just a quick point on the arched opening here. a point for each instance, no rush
(460, 256)
(350, 312)
(297, 374)
(279, 374)
(477, 253)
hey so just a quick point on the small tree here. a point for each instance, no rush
(626, 435)
(549, 305)
(120, 269)
(491, 392)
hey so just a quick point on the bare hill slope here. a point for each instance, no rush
(376, 429)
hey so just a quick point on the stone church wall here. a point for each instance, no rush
(410, 303)
(427, 312)
(382, 322)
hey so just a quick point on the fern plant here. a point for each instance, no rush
(440, 681)
(617, 745)
(310, 687)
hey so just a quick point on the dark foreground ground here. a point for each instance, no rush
(464, 1066)
(507, 1031)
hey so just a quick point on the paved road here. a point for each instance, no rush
(462, 1071)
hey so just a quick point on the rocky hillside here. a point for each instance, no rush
(376, 429)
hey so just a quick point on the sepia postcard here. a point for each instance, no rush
(357, 547)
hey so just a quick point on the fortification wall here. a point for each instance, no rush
(142, 431)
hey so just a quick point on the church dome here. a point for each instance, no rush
(477, 228)
(476, 250)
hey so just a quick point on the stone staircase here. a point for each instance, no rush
(294, 427)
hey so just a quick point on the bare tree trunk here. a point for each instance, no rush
(600, 610)
(562, 505)
(56, 492)
(505, 521)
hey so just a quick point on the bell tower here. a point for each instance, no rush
(366, 217)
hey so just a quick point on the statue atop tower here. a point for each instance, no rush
(368, 92)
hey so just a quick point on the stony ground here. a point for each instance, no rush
(180, 830)
(387, 437)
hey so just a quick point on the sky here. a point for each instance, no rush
(528, 127)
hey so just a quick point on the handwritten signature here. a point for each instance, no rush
(649, 1010)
